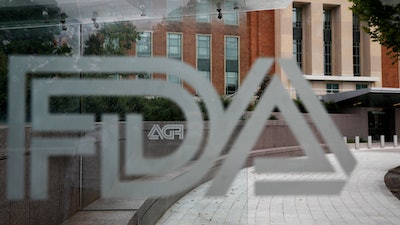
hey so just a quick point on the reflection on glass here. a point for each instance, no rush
(231, 64)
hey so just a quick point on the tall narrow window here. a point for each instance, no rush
(356, 46)
(297, 36)
(203, 11)
(143, 46)
(174, 51)
(174, 10)
(327, 42)
(231, 17)
(203, 55)
(143, 49)
(231, 65)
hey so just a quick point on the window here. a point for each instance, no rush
(297, 36)
(174, 10)
(174, 51)
(327, 42)
(203, 11)
(356, 45)
(174, 42)
(143, 46)
(144, 49)
(231, 65)
(231, 17)
(204, 55)
(361, 86)
(332, 88)
(174, 79)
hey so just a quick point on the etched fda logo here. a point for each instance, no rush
(222, 123)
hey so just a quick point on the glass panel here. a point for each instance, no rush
(174, 46)
(174, 10)
(327, 42)
(232, 64)
(297, 35)
(231, 17)
(143, 45)
(111, 109)
(356, 46)
(203, 11)
(332, 88)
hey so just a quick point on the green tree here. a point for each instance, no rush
(112, 39)
(28, 29)
(382, 18)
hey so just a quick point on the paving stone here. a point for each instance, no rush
(364, 200)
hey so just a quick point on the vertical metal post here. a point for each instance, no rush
(369, 142)
(357, 142)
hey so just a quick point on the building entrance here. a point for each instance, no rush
(381, 123)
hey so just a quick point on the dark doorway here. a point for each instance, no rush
(381, 123)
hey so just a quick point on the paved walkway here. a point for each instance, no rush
(364, 200)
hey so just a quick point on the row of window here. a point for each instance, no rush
(334, 88)
(327, 40)
(203, 57)
(203, 9)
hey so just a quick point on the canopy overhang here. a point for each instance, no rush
(368, 97)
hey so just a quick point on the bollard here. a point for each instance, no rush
(345, 140)
(382, 141)
(394, 140)
(369, 142)
(357, 142)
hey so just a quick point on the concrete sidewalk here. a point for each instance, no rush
(364, 200)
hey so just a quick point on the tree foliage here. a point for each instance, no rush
(152, 109)
(382, 22)
(24, 30)
(112, 39)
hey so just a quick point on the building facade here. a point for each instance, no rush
(323, 36)
(217, 47)
(327, 41)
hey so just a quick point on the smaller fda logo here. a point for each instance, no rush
(221, 127)
(167, 132)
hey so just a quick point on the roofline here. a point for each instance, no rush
(342, 96)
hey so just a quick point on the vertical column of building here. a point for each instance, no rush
(371, 62)
(252, 31)
(244, 59)
(284, 32)
(343, 47)
(343, 40)
(390, 70)
(376, 63)
(314, 32)
(159, 45)
(283, 38)
(218, 55)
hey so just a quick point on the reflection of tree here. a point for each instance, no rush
(382, 22)
(113, 39)
(29, 29)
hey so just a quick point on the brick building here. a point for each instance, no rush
(338, 59)
(323, 36)
(222, 49)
